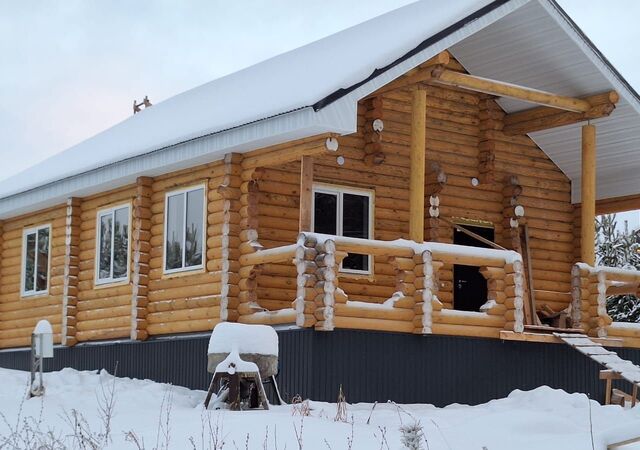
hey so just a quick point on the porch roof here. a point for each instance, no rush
(315, 89)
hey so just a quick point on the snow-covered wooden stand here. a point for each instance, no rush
(240, 357)
(41, 347)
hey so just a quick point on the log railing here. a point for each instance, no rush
(590, 288)
(414, 307)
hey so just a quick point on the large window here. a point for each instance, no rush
(184, 230)
(112, 263)
(344, 212)
(35, 260)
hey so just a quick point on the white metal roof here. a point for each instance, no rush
(273, 101)
(286, 83)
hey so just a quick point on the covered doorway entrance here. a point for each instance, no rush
(469, 286)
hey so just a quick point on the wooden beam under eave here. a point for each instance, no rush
(544, 118)
(618, 204)
(288, 152)
(419, 74)
(306, 193)
(498, 88)
(588, 196)
(417, 160)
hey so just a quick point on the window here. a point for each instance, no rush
(113, 245)
(35, 257)
(184, 230)
(344, 212)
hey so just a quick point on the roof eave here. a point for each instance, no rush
(297, 124)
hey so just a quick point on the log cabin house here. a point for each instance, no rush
(334, 187)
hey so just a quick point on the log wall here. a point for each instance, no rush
(103, 311)
(463, 137)
(18, 315)
(185, 301)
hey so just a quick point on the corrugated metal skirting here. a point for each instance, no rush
(369, 365)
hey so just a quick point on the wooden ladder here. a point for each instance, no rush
(616, 367)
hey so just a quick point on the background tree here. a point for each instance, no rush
(618, 249)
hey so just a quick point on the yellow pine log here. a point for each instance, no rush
(349, 310)
(273, 318)
(211, 312)
(465, 330)
(103, 334)
(373, 324)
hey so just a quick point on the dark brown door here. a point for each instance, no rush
(469, 286)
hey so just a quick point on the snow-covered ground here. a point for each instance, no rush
(540, 419)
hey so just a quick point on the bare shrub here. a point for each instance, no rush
(300, 407)
(27, 433)
(412, 436)
(299, 433)
(382, 438)
(341, 406)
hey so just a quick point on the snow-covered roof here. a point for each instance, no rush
(307, 91)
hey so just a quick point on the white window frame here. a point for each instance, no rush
(25, 233)
(184, 191)
(333, 189)
(103, 212)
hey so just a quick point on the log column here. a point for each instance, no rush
(306, 193)
(514, 290)
(491, 120)
(229, 193)
(512, 212)
(436, 181)
(141, 247)
(417, 178)
(248, 282)
(426, 291)
(588, 197)
(373, 148)
(307, 286)
(71, 270)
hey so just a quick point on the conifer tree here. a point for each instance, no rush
(618, 249)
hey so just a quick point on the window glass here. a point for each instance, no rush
(325, 213)
(30, 262)
(193, 233)
(343, 213)
(42, 272)
(120, 242)
(104, 270)
(35, 268)
(113, 254)
(355, 223)
(184, 242)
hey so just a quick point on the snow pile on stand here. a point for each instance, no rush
(227, 336)
(167, 416)
(233, 363)
(43, 327)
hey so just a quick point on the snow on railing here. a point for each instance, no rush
(320, 301)
(590, 288)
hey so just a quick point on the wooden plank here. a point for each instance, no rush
(531, 318)
(551, 338)
(501, 89)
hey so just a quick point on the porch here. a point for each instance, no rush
(407, 285)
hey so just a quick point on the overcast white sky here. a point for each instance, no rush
(69, 69)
